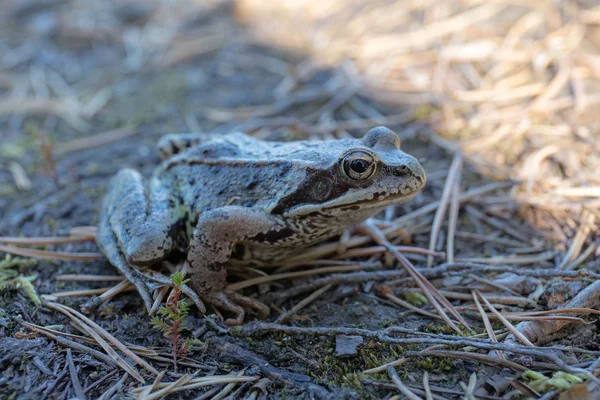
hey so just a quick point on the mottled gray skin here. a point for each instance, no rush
(235, 199)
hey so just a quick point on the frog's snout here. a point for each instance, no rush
(417, 171)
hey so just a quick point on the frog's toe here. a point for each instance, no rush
(221, 301)
(261, 309)
(236, 304)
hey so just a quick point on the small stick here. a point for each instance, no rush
(403, 389)
(453, 174)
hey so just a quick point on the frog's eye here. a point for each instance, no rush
(359, 165)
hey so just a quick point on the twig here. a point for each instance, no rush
(451, 182)
(401, 387)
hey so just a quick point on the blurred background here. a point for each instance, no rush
(513, 85)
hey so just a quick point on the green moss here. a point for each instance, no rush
(11, 279)
(415, 298)
(559, 380)
(438, 328)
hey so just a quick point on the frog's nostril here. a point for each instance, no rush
(400, 170)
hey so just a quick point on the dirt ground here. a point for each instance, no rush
(72, 70)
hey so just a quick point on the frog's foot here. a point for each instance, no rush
(235, 303)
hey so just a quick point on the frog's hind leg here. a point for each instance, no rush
(136, 228)
(109, 247)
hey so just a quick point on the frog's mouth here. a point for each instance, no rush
(376, 201)
(384, 201)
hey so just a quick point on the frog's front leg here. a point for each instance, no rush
(136, 227)
(211, 246)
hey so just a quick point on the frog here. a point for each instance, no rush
(223, 200)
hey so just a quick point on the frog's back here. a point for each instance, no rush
(233, 169)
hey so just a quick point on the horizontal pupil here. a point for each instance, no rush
(359, 166)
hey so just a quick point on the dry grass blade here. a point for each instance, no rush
(144, 392)
(428, 395)
(77, 293)
(470, 389)
(581, 310)
(316, 294)
(483, 358)
(384, 367)
(169, 388)
(465, 197)
(109, 350)
(526, 390)
(49, 255)
(228, 388)
(37, 241)
(505, 322)
(95, 140)
(453, 217)
(88, 278)
(451, 182)
(120, 287)
(288, 275)
(486, 322)
(113, 389)
(58, 108)
(77, 316)
(432, 294)
(588, 220)
(401, 387)
(372, 250)
(386, 292)
(88, 231)
(74, 379)
(55, 335)
(194, 383)
(546, 318)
